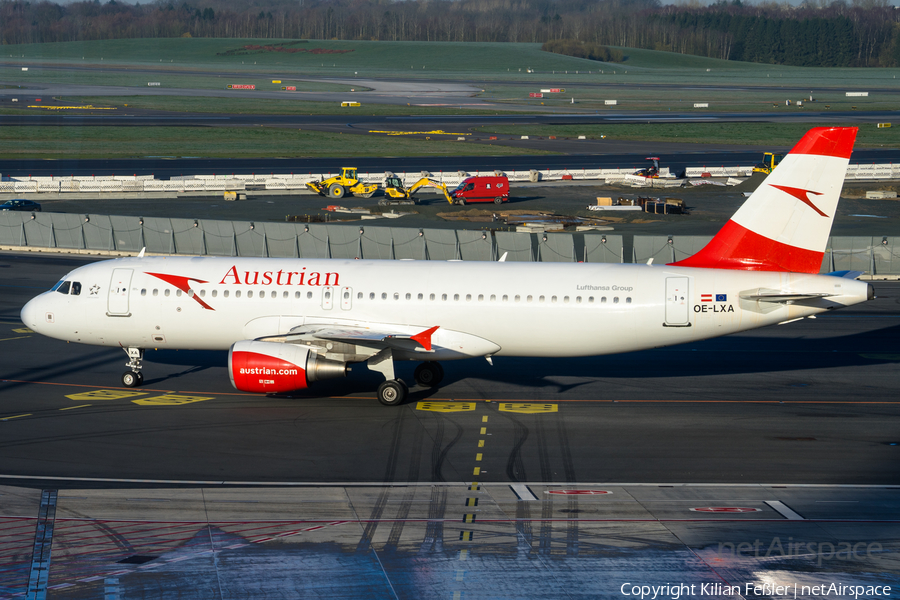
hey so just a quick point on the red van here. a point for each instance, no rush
(482, 189)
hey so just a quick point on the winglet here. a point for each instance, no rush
(424, 338)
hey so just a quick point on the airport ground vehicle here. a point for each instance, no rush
(21, 205)
(340, 185)
(395, 191)
(769, 161)
(289, 322)
(651, 171)
(482, 189)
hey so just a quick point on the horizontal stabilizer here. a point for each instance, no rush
(780, 297)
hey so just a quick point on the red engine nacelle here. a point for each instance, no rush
(270, 367)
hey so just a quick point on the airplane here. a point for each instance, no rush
(289, 322)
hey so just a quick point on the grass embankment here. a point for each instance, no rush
(750, 134)
(226, 142)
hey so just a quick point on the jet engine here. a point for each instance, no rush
(270, 367)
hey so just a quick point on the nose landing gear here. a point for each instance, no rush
(133, 377)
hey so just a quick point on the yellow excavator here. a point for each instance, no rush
(396, 193)
(341, 185)
(769, 162)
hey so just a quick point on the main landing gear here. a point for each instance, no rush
(133, 377)
(394, 391)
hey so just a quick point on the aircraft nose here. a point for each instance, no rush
(31, 314)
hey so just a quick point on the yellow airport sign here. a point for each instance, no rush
(171, 400)
(446, 407)
(528, 408)
(105, 395)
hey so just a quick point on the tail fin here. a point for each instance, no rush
(784, 225)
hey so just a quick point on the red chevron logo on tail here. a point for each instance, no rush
(801, 195)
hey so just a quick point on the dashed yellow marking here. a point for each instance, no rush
(471, 501)
(481, 443)
(478, 457)
(22, 330)
(475, 486)
(435, 132)
(465, 536)
(528, 408)
(171, 400)
(71, 407)
(445, 406)
(105, 395)
(476, 471)
(464, 554)
(15, 417)
(460, 575)
(484, 419)
(468, 518)
(483, 430)
(21, 337)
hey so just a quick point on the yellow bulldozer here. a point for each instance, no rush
(341, 185)
(769, 162)
(395, 192)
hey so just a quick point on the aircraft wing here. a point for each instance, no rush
(378, 337)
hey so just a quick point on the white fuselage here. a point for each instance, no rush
(481, 308)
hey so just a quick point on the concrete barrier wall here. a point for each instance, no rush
(875, 255)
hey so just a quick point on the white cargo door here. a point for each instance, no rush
(678, 302)
(346, 298)
(327, 297)
(119, 284)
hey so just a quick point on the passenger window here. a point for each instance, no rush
(468, 297)
(616, 300)
(167, 292)
(214, 293)
(541, 299)
(528, 299)
(190, 293)
(156, 292)
(628, 300)
(64, 288)
(493, 297)
(76, 288)
(590, 299)
(225, 293)
(421, 296)
(286, 295)
(297, 295)
(178, 293)
(327, 295)
(431, 297)
(444, 297)
(603, 300)
(565, 299)
(250, 294)
(409, 296)
(518, 297)
(309, 295)
(456, 297)
(143, 292)
(359, 295)
(396, 295)
(202, 293)
(553, 299)
(371, 295)
(384, 295)
(577, 299)
(237, 293)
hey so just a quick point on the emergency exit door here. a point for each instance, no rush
(678, 312)
(119, 285)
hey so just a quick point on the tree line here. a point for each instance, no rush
(864, 33)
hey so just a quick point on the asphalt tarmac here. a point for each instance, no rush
(808, 402)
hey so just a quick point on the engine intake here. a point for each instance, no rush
(270, 367)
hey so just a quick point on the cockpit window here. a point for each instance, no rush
(58, 283)
(63, 287)
(76, 288)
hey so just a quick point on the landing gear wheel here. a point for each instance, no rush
(392, 392)
(336, 191)
(140, 377)
(429, 374)
(131, 379)
(498, 200)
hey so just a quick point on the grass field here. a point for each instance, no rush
(751, 134)
(227, 142)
